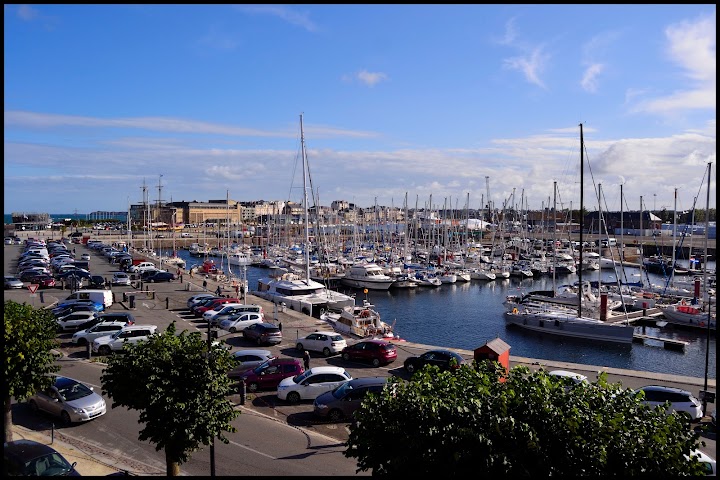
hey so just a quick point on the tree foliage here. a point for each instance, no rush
(29, 339)
(466, 422)
(180, 392)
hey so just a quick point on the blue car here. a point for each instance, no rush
(99, 307)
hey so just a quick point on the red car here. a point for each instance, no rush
(200, 310)
(45, 281)
(268, 375)
(376, 352)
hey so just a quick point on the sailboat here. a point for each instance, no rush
(298, 291)
(568, 322)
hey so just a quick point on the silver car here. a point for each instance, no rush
(70, 400)
(12, 282)
(84, 337)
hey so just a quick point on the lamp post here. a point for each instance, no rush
(212, 441)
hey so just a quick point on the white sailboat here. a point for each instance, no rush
(560, 321)
(297, 290)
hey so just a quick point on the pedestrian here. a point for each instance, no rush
(191, 273)
(306, 359)
(180, 277)
(218, 291)
(205, 284)
(237, 290)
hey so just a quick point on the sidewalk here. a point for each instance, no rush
(88, 462)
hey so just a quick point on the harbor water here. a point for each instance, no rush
(466, 315)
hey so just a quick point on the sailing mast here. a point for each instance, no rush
(582, 221)
(305, 201)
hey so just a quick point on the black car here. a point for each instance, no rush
(96, 281)
(443, 359)
(30, 276)
(161, 277)
(27, 458)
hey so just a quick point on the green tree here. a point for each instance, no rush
(29, 339)
(465, 422)
(179, 390)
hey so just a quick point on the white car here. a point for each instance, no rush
(70, 400)
(329, 343)
(312, 383)
(241, 322)
(223, 307)
(120, 278)
(72, 321)
(116, 342)
(85, 256)
(83, 337)
(185, 235)
(680, 400)
(577, 378)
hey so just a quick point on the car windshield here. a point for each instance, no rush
(261, 367)
(72, 390)
(342, 390)
(336, 338)
(54, 464)
(302, 376)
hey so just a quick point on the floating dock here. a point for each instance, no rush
(668, 343)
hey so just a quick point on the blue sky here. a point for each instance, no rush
(428, 101)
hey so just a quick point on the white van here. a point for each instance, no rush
(610, 242)
(100, 296)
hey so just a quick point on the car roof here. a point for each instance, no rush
(251, 351)
(286, 360)
(663, 388)
(327, 369)
(323, 332)
(363, 381)
(264, 324)
(26, 449)
(566, 373)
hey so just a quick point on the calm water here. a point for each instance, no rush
(466, 315)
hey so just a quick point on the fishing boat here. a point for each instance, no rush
(558, 320)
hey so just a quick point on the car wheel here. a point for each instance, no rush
(346, 357)
(104, 350)
(293, 397)
(410, 368)
(258, 341)
(232, 330)
(375, 362)
(326, 351)
(252, 387)
(335, 415)
(299, 347)
(65, 418)
(34, 406)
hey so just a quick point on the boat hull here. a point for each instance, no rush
(568, 326)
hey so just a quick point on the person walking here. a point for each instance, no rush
(205, 284)
(218, 291)
(180, 276)
(306, 359)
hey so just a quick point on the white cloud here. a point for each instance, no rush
(691, 45)
(371, 78)
(291, 16)
(530, 65)
(28, 13)
(509, 37)
(589, 79)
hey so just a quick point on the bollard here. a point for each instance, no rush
(124, 297)
(187, 286)
(132, 301)
(243, 391)
(167, 303)
(89, 350)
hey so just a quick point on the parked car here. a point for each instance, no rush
(269, 374)
(115, 342)
(77, 301)
(240, 322)
(575, 378)
(228, 310)
(377, 352)
(161, 277)
(263, 333)
(121, 278)
(30, 275)
(247, 359)
(13, 282)
(69, 399)
(443, 359)
(195, 299)
(342, 402)
(96, 281)
(680, 400)
(329, 343)
(71, 322)
(61, 312)
(708, 463)
(311, 383)
(45, 281)
(185, 235)
(28, 458)
(126, 318)
(85, 256)
(101, 329)
(199, 310)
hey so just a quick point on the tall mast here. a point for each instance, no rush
(305, 201)
(582, 218)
